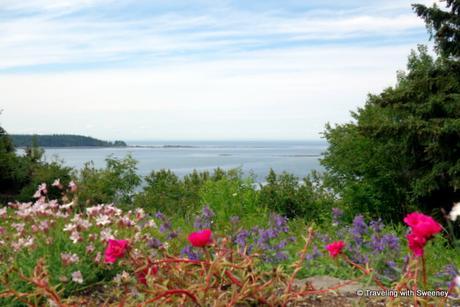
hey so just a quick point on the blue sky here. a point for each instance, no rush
(197, 69)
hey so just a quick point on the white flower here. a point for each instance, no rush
(77, 277)
(70, 227)
(103, 220)
(455, 212)
(67, 206)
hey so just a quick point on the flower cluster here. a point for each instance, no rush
(423, 228)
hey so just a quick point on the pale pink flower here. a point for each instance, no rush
(98, 257)
(2, 230)
(3, 212)
(18, 226)
(75, 237)
(41, 191)
(140, 214)
(57, 183)
(70, 227)
(21, 243)
(53, 204)
(106, 235)
(68, 258)
(44, 226)
(73, 186)
(103, 220)
(67, 206)
(80, 223)
(90, 248)
(93, 211)
(125, 221)
(77, 277)
(457, 281)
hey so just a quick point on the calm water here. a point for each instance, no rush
(258, 157)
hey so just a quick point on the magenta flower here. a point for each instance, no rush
(200, 238)
(416, 243)
(422, 224)
(335, 248)
(115, 249)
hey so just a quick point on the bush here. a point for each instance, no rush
(116, 183)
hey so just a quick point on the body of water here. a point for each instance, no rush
(255, 157)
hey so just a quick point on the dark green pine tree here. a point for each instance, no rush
(402, 150)
(444, 26)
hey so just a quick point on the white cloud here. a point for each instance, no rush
(223, 73)
(269, 94)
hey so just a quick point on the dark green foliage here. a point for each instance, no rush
(444, 26)
(46, 173)
(292, 197)
(62, 140)
(403, 148)
(163, 192)
(116, 183)
(14, 170)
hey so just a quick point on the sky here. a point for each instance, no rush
(197, 70)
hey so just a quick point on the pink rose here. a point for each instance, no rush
(115, 249)
(335, 248)
(200, 238)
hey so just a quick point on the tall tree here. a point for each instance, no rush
(444, 26)
(402, 150)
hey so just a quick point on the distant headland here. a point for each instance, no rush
(61, 140)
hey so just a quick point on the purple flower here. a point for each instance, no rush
(358, 229)
(188, 251)
(314, 254)
(279, 222)
(166, 226)
(280, 256)
(160, 216)
(207, 212)
(377, 225)
(391, 242)
(377, 244)
(154, 243)
(359, 225)
(241, 238)
(205, 219)
(337, 213)
(172, 235)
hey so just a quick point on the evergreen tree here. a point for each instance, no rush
(444, 26)
(402, 151)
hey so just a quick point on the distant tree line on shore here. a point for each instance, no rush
(61, 140)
